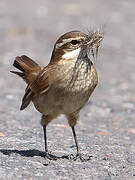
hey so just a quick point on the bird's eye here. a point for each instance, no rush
(74, 42)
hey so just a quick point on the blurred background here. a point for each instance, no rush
(32, 27)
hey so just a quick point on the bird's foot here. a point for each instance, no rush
(50, 156)
(79, 156)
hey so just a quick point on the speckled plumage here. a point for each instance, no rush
(66, 83)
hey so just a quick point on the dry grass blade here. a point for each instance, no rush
(94, 41)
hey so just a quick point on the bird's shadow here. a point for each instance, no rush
(29, 153)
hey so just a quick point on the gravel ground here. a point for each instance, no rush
(106, 129)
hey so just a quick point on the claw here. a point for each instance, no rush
(79, 156)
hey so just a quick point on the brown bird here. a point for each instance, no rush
(65, 84)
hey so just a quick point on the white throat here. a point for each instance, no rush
(72, 54)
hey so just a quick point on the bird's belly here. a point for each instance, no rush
(67, 98)
(61, 103)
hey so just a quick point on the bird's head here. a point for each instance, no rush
(75, 44)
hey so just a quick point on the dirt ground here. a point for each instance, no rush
(106, 129)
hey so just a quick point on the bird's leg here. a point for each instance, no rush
(44, 122)
(78, 154)
(47, 154)
(76, 142)
(45, 139)
(72, 120)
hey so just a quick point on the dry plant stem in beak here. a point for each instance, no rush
(65, 85)
(94, 41)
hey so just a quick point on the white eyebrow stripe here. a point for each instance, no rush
(60, 44)
(64, 41)
(72, 54)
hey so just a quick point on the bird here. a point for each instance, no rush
(65, 85)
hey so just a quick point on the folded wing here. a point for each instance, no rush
(36, 78)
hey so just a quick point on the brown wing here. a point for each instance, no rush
(29, 71)
(37, 78)
(27, 98)
(43, 81)
(39, 86)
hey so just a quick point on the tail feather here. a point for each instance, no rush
(29, 70)
(18, 73)
(24, 63)
(17, 63)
